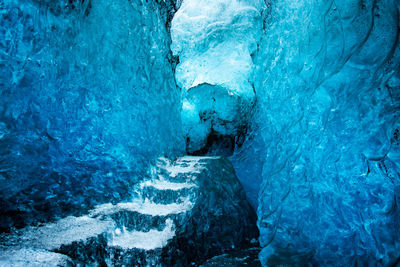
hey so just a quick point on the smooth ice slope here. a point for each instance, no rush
(215, 41)
(87, 98)
(326, 133)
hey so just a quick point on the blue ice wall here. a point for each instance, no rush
(87, 99)
(325, 142)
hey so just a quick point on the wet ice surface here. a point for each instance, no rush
(305, 93)
(143, 206)
(78, 123)
(246, 257)
(324, 145)
(197, 199)
(321, 160)
(21, 257)
(189, 164)
(150, 240)
(166, 185)
(215, 41)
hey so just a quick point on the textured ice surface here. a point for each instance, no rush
(159, 227)
(244, 257)
(144, 207)
(215, 41)
(87, 98)
(65, 231)
(213, 109)
(32, 257)
(188, 164)
(162, 184)
(325, 138)
(150, 240)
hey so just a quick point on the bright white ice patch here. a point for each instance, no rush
(22, 257)
(144, 207)
(184, 165)
(166, 185)
(214, 40)
(150, 240)
(32, 246)
(65, 231)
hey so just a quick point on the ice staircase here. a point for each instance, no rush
(109, 232)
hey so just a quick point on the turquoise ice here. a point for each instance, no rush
(302, 97)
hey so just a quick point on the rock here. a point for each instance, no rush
(189, 211)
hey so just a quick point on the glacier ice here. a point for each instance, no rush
(212, 109)
(87, 100)
(303, 94)
(33, 257)
(324, 140)
(169, 226)
(215, 41)
(150, 240)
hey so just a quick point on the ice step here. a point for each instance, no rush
(183, 168)
(141, 232)
(164, 192)
(131, 220)
(120, 241)
(166, 197)
(163, 184)
(22, 257)
(144, 207)
(150, 240)
(139, 222)
(122, 247)
(64, 231)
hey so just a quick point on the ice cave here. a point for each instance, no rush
(200, 133)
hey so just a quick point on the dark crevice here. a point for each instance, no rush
(220, 145)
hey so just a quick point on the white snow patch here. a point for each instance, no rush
(144, 207)
(187, 164)
(176, 169)
(196, 158)
(150, 240)
(163, 184)
(65, 231)
(22, 257)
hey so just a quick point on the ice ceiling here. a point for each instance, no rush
(302, 95)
